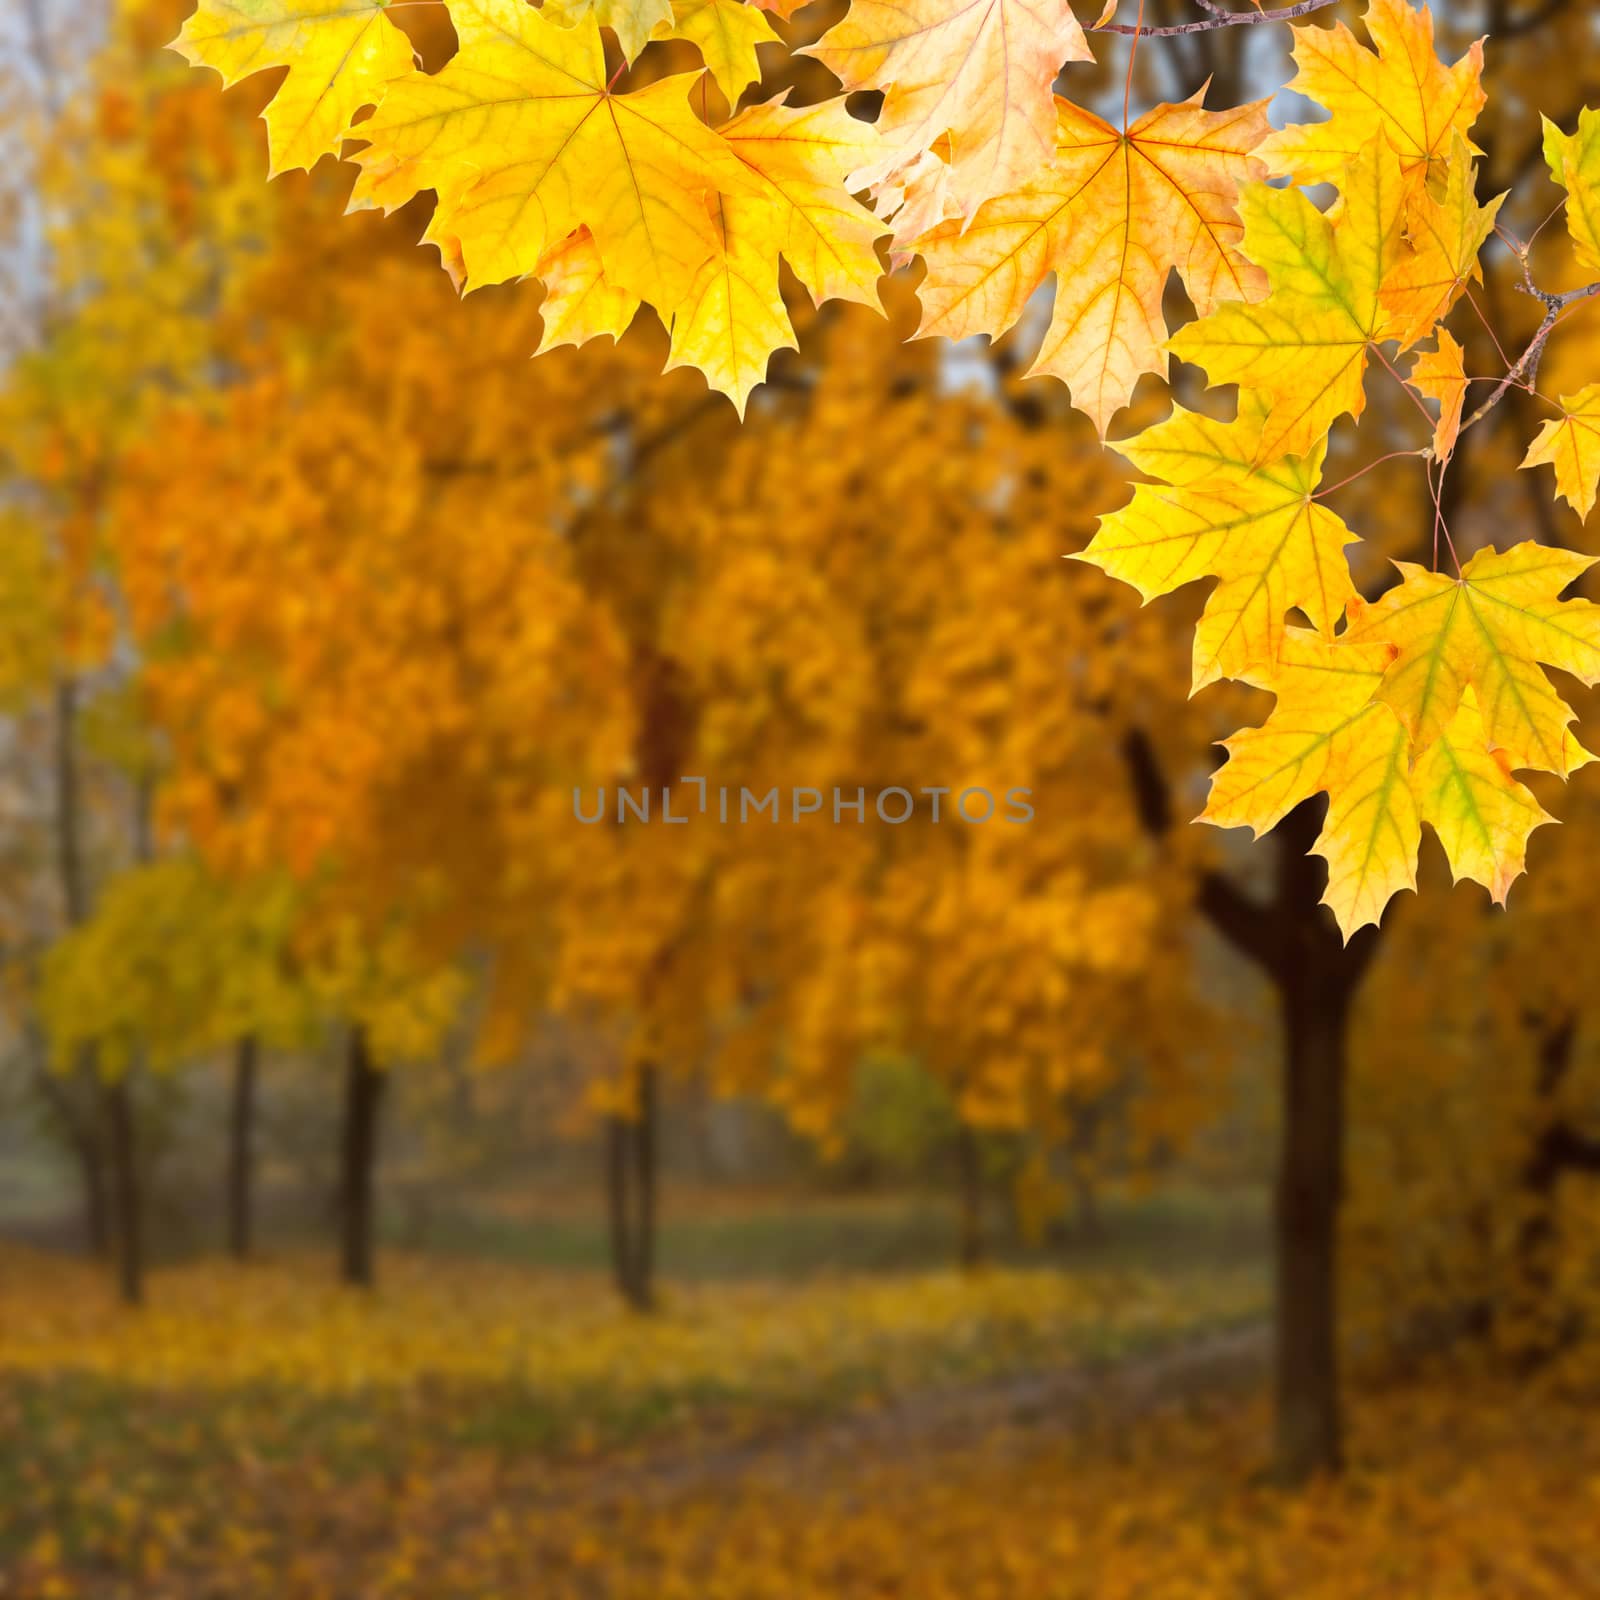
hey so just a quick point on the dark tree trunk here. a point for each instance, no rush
(128, 1210)
(1316, 976)
(618, 1206)
(79, 1103)
(1558, 1149)
(1309, 1190)
(241, 1149)
(1090, 1228)
(96, 1211)
(645, 1135)
(970, 1168)
(631, 1196)
(358, 1162)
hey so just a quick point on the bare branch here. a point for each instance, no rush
(1527, 366)
(1219, 18)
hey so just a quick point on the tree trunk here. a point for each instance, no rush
(358, 1161)
(96, 1212)
(645, 1138)
(618, 1174)
(1316, 976)
(241, 1152)
(631, 1196)
(1090, 1228)
(1310, 1181)
(128, 1210)
(1534, 1321)
(970, 1167)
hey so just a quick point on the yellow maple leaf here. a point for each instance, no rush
(1481, 814)
(1327, 733)
(1444, 233)
(1441, 375)
(634, 22)
(798, 157)
(1574, 161)
(1489, 628)
(340, 54)
(978, 72)
(523, 141)
(1399, 91)
(1571, 444)
(1111, 216)
(726, 33)
(579, 304)
(1223, 514)
(733, 318)
(1305, 346)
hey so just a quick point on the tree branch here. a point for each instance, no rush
(1246, 924)
(1218, 19)
(1567, 1150)
(1527, 367)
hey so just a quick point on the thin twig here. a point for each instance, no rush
(1527, 368)
(1218, 19)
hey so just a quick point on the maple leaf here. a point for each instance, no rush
(1571, 444)
(1490, 628)
(1255, 526)
(733, 318)
(976, 72)
(579, 304)
(1327, 733)
(523, 141)
(1110, 216)
(1444, 234)
(1305, 346)
(634, 22)
(726, 32)
(1441, 375)
(1574, 161)
(340, 54)
(1400, 91)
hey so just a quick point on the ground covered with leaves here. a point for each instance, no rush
(477, 1430)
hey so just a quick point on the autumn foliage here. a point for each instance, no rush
(1418, 708)
(447, 724)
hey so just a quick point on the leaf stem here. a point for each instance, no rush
(1133, 55)
(1344, 483)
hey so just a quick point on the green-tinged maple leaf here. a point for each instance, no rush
(1328, 733)
(523, 141)
(1490, 628)
(1305, 347)
(726, 33)
(1111, 216)
(1399, 91)
(1253, 525)
(634, 22)
(1571, 445)
(1574, 161)
(340, 55)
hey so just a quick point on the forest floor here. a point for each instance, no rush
(479, 1427)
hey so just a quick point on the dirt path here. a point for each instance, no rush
(1078, 1397)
